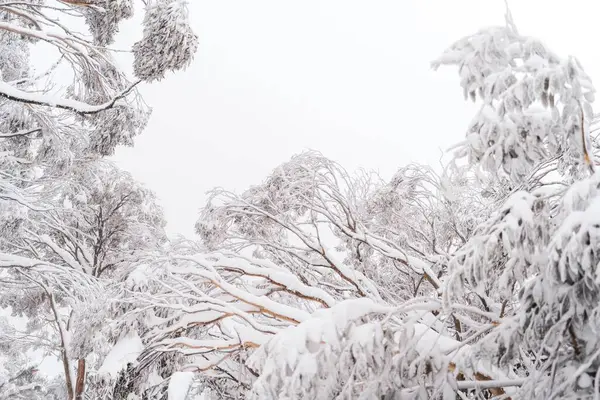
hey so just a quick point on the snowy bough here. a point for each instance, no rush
(480, 282)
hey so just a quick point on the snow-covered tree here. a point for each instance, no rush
(280, 258)
(48, 127)
(101, 98)
(475, 282)
(479, 282)
(96, 223)
(532, 263)
(70, 224)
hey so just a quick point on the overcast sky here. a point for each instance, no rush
(348, 78)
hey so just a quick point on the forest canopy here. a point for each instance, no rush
(475, 281)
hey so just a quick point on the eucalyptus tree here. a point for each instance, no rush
(70, 221)
(477, 283)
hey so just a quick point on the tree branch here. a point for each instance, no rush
(12, 93)
(24, 132)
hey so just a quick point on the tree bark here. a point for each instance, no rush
(67, 374)
(80, 383)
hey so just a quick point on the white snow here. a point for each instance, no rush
(138, 278)
(179, 385)
(12, 92)
(125, 351)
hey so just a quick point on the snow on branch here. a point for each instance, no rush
(12, 93)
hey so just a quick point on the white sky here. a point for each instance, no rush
(348, 78)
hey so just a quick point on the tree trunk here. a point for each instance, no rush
(67, 374)
(80, 379)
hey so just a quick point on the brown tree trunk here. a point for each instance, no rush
(67, 374)
(80, 379)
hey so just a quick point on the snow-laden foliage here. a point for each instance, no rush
(503, 251)
(166, 34)
(117, 125)
(343, 352)
(476, 282)
(533, 263)
(535, 104)
(104, 17)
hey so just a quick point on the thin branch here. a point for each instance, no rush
(24, 132)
